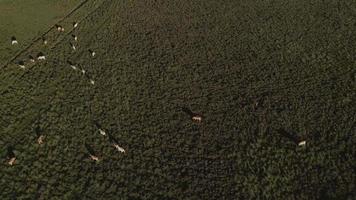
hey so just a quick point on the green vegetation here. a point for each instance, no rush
(27, 19)
(254, 69)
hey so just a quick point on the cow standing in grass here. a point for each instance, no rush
(40, 140)
(40, 136)
(292, 137)
(92, 53)
(100, 129)
(44, 41)
(73, 46)
(195, 117)
(91, 152)
(75, 37)
(59, 28)
(31, 58)
(21, 64)
(115, 144)
(72, 65)
(302, 143)
(75, 24)
(91, 81)
(13, 40)
(11, 156)
(41, 56)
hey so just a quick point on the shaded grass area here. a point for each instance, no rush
(251, 68)
(27, 19)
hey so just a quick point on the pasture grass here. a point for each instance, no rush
(26, 19)
(254, 69)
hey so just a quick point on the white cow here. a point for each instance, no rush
(21, 64)
(95, 158)
(59, 28)
(102, 132)
(11, 161)
(73, 47)
(197, 118)
(41, 57)
(75, 38)
(73, 67)
(120, 149)
(13, 40)
(92, 53)
(32, 59)
(302, 143)
(40, 139)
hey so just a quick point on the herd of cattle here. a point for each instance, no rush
(195, 117)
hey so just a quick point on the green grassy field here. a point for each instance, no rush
(26, 19)
(256, 70)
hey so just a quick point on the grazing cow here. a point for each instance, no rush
(72, 65)
(44, 41)
(120, 149)
(102, 132)
(115, 144)
(11, 161)
(302, 143)
(73, 46)
(75, 24)
(21, 64)
(11, 156)
(92, 53)
(75, 37)
(59, 27)
(90, 80)
(98, 126)
(91, 153)
(95, 158)
(291, 136)
(41, 56)
(195, 117)
(40, 139)
(32, 59)
(83, 71)
(13, 40)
